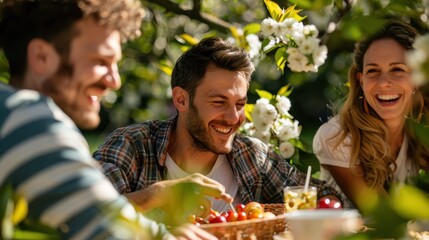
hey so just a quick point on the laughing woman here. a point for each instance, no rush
(368, 144)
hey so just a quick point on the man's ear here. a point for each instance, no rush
(180, 99)
(42, 58)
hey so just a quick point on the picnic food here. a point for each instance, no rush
(252, 210)
(326, 202)
(298, 198)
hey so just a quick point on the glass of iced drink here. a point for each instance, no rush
(297, 198)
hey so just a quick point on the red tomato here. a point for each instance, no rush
(241, 216)
(232, 216)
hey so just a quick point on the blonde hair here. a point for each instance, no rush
(368, 132)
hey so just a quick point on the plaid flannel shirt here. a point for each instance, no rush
(133, 158)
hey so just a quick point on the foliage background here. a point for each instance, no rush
(148, 60)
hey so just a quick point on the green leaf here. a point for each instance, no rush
(6, 211)
(291, 12)
(298, 144)
(273, 9)
(285, 91)
(6, 196)
(316, 5)
(20, 209)
(248, 109)
(252, 28)
(166, 68)
(421, 131)
(187, 39)
(281, 58)
(264, 94)
(265, 42)
(410, 202)
(234, 33)
(29, 235)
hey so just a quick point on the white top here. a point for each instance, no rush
(340, 156)
(221, 172)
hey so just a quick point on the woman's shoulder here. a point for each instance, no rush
(330, 128)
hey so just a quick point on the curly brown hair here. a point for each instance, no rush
(54, 21)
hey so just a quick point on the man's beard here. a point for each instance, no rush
(56, 87)
(201, 138)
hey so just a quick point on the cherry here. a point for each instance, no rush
(218, 219)
(240, 207)
(328, 203)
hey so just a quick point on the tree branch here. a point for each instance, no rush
(194, 13)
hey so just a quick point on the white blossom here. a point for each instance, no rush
(283, 105)
(255, 45)
(306, 54)
(264, 136)
(418, 60)
(286, 149)
(249, 128)
(320, 55)
(286, 28)
(309, 45)
(273, 124)
(310, 31)
(287, 129)
(297, 62)
(263, 114)
(267, 26)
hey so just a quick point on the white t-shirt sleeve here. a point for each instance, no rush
(324, 145)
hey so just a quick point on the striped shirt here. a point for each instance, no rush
(46, 159)
(134, 157)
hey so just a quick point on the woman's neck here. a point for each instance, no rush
(396, 136)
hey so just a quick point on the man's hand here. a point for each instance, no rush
(181, 196)
(191, 232)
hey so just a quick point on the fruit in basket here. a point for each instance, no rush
(326, 202)
(254, 213)
(240, 207)
(232, 216)
(253, 205)
(268, 215)
(218, 219)
(254, 210)
(241, 216)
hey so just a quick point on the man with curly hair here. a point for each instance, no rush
(63, 58)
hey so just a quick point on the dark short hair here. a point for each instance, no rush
(191, 67)
(53, 21)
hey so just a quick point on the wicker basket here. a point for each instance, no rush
(260, 229)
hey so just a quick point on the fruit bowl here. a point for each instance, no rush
(261, 229)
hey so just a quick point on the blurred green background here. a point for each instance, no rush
(145, 93)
